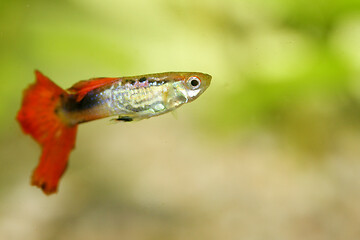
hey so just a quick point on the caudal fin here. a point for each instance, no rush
(38, 118)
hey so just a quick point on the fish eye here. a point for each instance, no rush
(193, 82)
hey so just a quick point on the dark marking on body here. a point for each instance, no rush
(124, 119)
(131, 81)
(143, 79)
(89, 101)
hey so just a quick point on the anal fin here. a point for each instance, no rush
(124, 119)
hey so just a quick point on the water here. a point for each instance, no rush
(270, 151)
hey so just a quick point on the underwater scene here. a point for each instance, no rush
(270, 150)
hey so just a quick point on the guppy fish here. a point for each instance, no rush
(51, 115)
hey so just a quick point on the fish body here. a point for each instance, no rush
(132, 98)
(51, 115)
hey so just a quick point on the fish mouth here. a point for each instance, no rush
(206, 80)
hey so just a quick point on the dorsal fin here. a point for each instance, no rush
(83, 87)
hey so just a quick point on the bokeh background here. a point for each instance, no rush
(270, 151)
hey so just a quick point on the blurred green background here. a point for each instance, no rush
(270, 151)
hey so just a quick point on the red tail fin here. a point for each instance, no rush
(38, 118)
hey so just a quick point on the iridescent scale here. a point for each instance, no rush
(136, 99)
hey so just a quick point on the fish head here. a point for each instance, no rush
(181, 87)
(193, 84)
